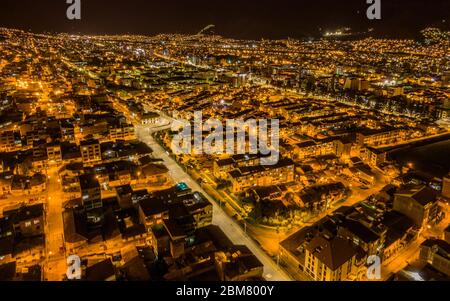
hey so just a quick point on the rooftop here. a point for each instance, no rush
(333, 252)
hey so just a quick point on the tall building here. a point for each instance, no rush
(54, 153)
(122, 132)
(91, 196)
(67, 130)
(356, 84)
(10, 141)
(90, 151)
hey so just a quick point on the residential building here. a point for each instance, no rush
(418, 202)
(91, 196)
(244, 178)
(436, 253)
(90, 151)
(329, 258)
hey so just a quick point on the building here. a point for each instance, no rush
(329, 258)
(192, 209)
(330, 250)
(399, 232)
(6, 179)
(414, 273)
(447, 234)
(153, 174)
(362, 236)
(240, 80)
(71, 153)
(92, 127)
(315, 148)
(10, 141)
(24, 185)
(238, 264)
(418, 202)
(343, 147)
(67, 131)
(374, 157)
(374, 137)
(22, 234)
(172, 216)
(395, 91)
(54, 153)
(152, 211)
(122, 132)
(177, 238)
(446, 187)
(91, 196)
(101, 271)
(319, 197)
(90, 151)
(6, 240)
(222, 167)
(244, 178)
(149, 118)
(28, 221)
(362, 171)
(200, 209)
(356, 84)
(436, 253)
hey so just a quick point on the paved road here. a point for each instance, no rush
(56, 260)
(233, 231)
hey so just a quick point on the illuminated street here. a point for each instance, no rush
(227, 224)
(165, 142)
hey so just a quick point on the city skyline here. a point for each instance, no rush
(234, 19)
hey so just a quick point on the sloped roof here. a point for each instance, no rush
(332, 252)
(420, 193)
(100, 271)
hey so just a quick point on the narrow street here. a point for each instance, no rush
(55, 255)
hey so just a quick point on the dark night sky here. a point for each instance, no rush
(249, 19)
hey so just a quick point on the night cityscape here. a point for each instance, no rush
(248, 141)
